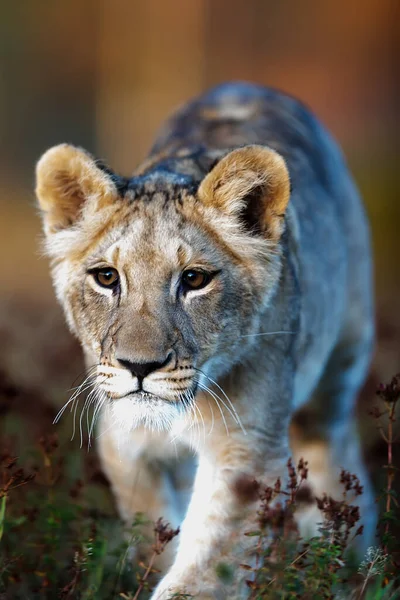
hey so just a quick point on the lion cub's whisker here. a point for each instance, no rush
(89, 373)
(100, 399)
(267, 333)
(91, 381)
(79, 390)
(198, 411)
(205, 388)
(231, 407)
(86, 404)
(75, 404)
(91, 398)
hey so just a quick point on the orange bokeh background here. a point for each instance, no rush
(105, 74)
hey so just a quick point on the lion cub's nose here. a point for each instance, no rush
(141, 370)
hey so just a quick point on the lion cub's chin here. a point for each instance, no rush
(143, 409)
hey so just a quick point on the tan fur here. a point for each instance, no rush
(238, 174)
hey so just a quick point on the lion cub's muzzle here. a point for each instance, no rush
(166, 380)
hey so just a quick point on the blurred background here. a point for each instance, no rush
(104, 75)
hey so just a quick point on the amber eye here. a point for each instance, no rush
(194, 280)
(107, 277)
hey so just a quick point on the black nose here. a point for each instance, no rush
(141, 370)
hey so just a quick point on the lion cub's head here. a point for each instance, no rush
(162, 281)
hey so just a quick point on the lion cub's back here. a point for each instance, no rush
(327, 231)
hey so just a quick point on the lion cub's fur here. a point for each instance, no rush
(245, 185)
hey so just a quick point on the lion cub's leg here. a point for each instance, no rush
(324, 433)
(136, 466)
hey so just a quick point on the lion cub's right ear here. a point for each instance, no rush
(67, 178)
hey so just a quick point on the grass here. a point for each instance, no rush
(60, 537)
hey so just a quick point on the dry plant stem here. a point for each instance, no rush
(391, 408)
(366, 580)
(11, 478)
(390, 394)
(290, 565)
(145, 576)
(2, 514)
(163, 535)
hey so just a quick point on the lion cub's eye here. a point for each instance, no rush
(107, 277)
(194, 280)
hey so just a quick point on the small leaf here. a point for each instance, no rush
(246, 567)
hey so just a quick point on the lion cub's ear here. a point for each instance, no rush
(251, 183)
(66, 178)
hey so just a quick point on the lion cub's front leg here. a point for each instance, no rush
(139, 482)
(218, 516)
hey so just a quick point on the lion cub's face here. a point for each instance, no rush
(159, 284)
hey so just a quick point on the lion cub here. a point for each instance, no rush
(217, 291)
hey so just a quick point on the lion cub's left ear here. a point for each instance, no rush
(251, 183)
(68, 182)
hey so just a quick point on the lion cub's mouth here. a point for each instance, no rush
(118, 384)
(138, 395)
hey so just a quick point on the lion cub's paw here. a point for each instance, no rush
(185, 587)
